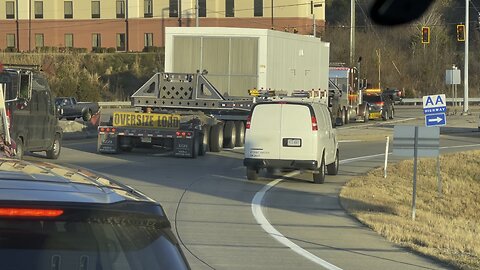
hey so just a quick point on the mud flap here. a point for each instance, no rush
(183, 147)
(107, 143)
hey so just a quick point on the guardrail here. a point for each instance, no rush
(419, 101)
(114, 104)
(405, 101)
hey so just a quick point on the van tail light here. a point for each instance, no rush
(379, 103)
(29, 212)
(249, 121)
(314, 124)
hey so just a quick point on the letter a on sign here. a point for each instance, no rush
(434, 101)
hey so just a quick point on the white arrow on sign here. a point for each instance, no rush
(438, 119)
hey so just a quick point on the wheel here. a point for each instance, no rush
(196, 148)
(19, 150)
(125, 143)
(87, 115)
(347, 116)
(252, 173)
(216, 138)
(319, 177)
(385, 115)
(205, 147)
(367, 115)
(229, 135)
(54, 152)
(342, 117)
(240, 129)
(332, 168)
(70, 118)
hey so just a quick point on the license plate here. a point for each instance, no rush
(292, 142)
(146, 139)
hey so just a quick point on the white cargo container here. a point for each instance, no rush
(239, 59)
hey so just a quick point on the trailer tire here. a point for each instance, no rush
(229, 135)
(216, 138)
(347, 116)
(206, 139)
(252, 173)
(341, 113)
(197, 148)
(240, 129)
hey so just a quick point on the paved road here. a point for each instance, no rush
(227, 222)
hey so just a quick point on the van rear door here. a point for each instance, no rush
(263, 136)
(297, 137)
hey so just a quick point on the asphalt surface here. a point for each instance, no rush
(281, 221)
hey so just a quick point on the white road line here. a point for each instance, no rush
(349, 141)
(378, 124)
(268, 228)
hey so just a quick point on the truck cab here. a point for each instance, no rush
(31, 111)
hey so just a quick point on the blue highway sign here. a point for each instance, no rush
(438, 119)
(434, 104)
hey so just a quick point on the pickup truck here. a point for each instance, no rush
(72, 109)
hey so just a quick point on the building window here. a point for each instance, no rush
(39, 41)
(38, 9)
(173, 9)
(95, 9)
(121, 42)
(11, 41)
(10, 8)
(148, 9)
(68, 9)
(148, 39)
(120, 9)
(229, 8)
(68, 40)
(258, 8)
(202, 8)
(96, 40)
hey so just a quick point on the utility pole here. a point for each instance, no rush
(272, 12)
(179, 12)
(197, 9)
(352, 30)
(465, 74)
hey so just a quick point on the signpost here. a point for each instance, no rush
(434, 108)
(416, 141)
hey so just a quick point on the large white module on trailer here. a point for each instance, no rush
(239, 59)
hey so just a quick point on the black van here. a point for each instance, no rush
(31, 111)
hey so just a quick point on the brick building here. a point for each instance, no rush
(132, 25)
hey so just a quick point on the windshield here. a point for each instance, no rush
(372, 98)
(100, 242)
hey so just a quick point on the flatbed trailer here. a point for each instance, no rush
(196, 118)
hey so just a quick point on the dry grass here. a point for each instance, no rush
(446, 227)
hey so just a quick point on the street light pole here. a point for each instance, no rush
(197, 9)
(352, 30)
(272, 12)
(465, 74)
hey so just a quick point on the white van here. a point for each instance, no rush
(291, 133)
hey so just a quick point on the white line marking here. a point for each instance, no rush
(349, 141)
(267, 227)
(378, 124)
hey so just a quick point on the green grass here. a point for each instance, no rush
(446, 227)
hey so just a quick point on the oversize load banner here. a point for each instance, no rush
(146, 120)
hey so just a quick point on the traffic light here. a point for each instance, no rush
(425, 35)
(460, 32)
